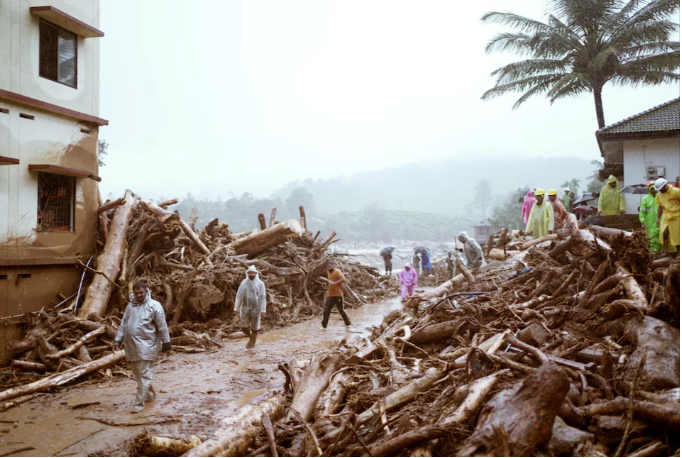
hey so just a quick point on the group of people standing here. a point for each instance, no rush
(659, 211)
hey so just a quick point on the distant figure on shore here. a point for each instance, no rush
(541, 220)
(388, 262)
(473, 253)
(251, 305)
(648, 212)
(611, 201)
(408, 280)
(527, 206)
(426, 263)
(668, 201)
(560, 213)
(416, 261)
(566, 199)
(335, 279)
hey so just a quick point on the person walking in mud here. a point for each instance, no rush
(142, 333)
(251, 304)
(388, 263)
(334, 298)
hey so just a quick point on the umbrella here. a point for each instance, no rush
(386, 250)
(421, 249)
(586, 197)
(635, 189)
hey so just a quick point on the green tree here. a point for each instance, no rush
(509, 213)
(482, 202)
(573, 185)
(585, 44)
(102, 147)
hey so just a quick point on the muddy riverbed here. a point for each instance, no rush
(194, 392)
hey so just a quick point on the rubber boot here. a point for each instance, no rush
(252, 340)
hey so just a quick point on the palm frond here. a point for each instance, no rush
(514, 20)
(530, 67)
(644, 32)
(569, 86)
(521, 85)
(647, 48)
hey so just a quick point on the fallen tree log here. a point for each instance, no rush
(313, 382)
(189, 232)
(239, 431)
(30, 342)
(29, 366)
(62, 378)
(165, 446)
(109, 205)
(659, 343)
(538, 241)
(79, 343)
(632, 289)
(478, 391)
(524, 414)
(608, 232)
(255, 244)
(109, 262)
(661, 414)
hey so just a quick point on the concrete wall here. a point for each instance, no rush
(640, 154)
(19, 57)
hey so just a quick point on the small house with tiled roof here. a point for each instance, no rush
(642, 148)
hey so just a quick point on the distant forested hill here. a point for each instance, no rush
(444, 187)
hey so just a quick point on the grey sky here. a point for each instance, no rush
(210, 96)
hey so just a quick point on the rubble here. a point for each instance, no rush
(193, 274)
(571, 349)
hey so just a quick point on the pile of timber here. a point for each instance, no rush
(193, 274)
(572, 350)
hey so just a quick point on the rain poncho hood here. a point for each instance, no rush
(251, 294)
(611, 201)
(473, 253)
(527, 205)
(408, 276)
(541, 220)
(143, 329)
(648, 212)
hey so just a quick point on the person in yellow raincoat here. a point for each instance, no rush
(541, 218)
(611, 201)
(668, 201)
(648, 212)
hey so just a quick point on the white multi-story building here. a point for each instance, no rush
(49, 124)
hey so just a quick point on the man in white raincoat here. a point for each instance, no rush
(473, 253)
(251, 304)
(143, 332)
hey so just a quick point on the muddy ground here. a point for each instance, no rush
(194, 392)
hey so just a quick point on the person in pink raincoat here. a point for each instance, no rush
(527, 205)
(408, 280)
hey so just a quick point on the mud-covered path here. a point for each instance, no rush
(194, 392)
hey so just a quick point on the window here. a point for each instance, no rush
(56, 202)
(58, 54)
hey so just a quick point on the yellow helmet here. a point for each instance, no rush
(551, 192)
(539, 192)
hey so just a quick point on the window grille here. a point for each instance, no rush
(56, 202)
(58, 54)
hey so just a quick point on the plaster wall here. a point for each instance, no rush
(640, 154)
(19, 55)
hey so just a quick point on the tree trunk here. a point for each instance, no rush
(62, 377)
(532, 243)
(261, 222)
(109, 262)
(136, 250)
(467, 274)
(523, 414)
(660, 344)
(599, 106)
(255, 244)
(109, 205)
(314, 381)
(241, 430)
(273, 215)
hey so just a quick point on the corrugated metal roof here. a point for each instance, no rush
(662, 118)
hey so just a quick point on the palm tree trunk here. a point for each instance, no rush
(599, 106)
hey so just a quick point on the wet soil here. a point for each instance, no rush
(194, 391)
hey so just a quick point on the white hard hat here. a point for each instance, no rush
(567, 189)
(658, 185)
(252, 269)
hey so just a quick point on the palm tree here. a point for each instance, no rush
(585, 44)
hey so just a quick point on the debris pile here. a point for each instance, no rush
(193, 274)
(570, 348)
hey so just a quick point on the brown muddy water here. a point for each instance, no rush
(194, 391)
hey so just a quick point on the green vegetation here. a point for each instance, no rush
(585, 44)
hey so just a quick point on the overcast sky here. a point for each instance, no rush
(213, 96)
